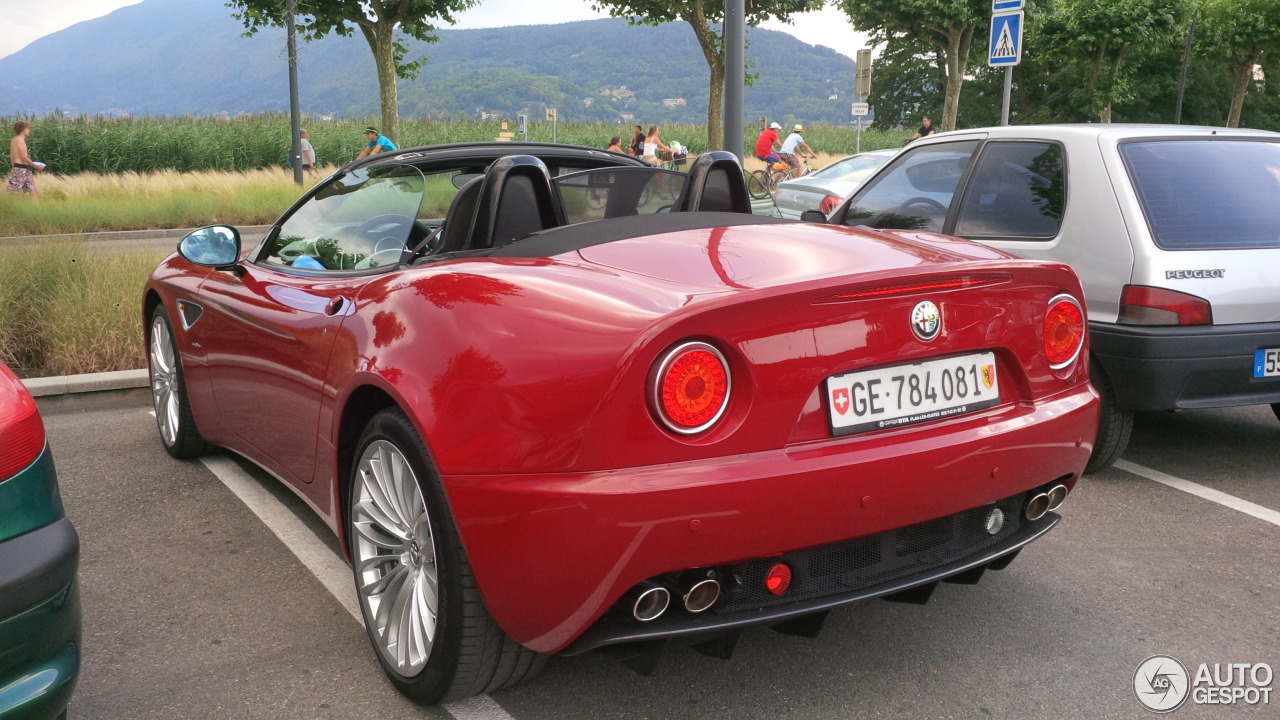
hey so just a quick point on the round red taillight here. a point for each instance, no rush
(778, 579)
(691, 389)
(20, 426)
(1064, 331)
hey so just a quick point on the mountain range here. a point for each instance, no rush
(181, 57)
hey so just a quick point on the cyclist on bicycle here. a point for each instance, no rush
(789, 147)
(765, 143)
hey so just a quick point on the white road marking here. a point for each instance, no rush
(329, 568)
(1216, 496)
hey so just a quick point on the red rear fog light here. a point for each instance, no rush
(778, 579)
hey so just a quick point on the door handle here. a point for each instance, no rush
(335, 305)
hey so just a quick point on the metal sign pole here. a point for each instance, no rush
(295, 119)
(1008, 90)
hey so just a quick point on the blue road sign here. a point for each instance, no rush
(1006, 39)
(999, 6)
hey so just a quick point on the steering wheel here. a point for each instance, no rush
(922, 202)
(375, 224)
(380, 257)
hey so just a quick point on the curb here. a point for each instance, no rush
(92, 391)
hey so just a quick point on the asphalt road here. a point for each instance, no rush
(195, 608)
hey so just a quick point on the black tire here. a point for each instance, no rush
(1115, 424)
(756, 185)
(778, 176)
(178, 432)
(468, 653)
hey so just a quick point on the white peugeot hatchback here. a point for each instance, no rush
(1174, 231)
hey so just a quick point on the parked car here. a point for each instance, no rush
(615, 408)
(827, 188)
(1174, 231)
(39, 553)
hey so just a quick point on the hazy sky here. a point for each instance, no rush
(22, 21)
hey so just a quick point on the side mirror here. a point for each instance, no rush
(813, 216)
(216, 246)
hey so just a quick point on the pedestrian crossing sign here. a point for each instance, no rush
(1006, 39)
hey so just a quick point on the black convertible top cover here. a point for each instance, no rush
(571, 238)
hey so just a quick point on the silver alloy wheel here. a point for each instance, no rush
(164, 381)
(394, 553)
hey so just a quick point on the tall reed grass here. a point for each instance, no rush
(146, 144)
(68, 308)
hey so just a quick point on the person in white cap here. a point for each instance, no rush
(789, 146)
(766, 142)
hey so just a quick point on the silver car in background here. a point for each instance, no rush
(1174, 231)
(825, 189)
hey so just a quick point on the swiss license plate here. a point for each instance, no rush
(908, 394)
(1266, 363)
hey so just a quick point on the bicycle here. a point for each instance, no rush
(762, 183)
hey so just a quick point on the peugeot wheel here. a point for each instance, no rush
(428, 624)
(1115, 424)
(178, 430)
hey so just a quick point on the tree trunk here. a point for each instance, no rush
(957, 53)
(1240, 76)
(382, 43)
(696, 16)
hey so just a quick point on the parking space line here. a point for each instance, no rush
(330, 569)
(1216, 496)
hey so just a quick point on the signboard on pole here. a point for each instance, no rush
(1006, 39)
(999, 6)
(862, 80)
(861, 109)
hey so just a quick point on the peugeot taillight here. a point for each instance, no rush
(829, 204)
(21, 431)
(1144, 305)
(1064, 331)
(691, 387)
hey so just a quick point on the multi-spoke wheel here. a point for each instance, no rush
(424, 615)
(756, 184)
(169, 391)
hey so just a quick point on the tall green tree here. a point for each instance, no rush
(1237, 34)
(1097, 45)
(946, 25)
(383, 23)
(706, 17)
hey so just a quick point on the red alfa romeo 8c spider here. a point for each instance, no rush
(552, 400)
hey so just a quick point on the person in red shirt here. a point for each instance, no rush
(766, 142)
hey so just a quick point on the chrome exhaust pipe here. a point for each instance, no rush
(1057, 495)
(1037, 506)
(702, 595)
(646, 601)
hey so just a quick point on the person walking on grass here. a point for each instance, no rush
(377, 143)
(308, 152)
(22, 167)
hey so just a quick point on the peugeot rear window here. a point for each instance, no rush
(1208, 194)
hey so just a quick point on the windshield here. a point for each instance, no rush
(854, 169)
(1208, 194)
(360, 220)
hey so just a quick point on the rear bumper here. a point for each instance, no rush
(1168, 368)
(551, 553)
(39, 621)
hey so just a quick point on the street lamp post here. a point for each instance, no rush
(295, 119)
